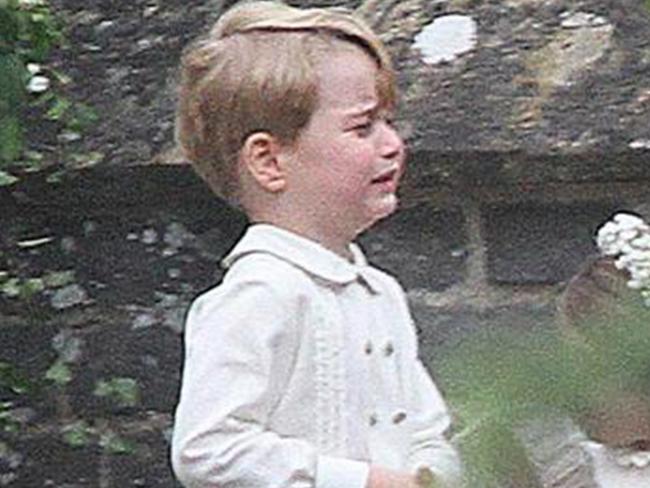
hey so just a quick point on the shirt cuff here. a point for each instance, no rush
(335, 472)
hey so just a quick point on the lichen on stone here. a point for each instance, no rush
(446, 38)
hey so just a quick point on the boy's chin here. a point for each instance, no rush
(387, 205)
(383, 207)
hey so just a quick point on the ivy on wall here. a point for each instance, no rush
(28, 32)
(31, 89)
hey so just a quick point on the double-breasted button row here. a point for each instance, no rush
(387, 350)
(397, 418)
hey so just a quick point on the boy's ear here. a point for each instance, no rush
(262, 158)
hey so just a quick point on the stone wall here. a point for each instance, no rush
(96, 273)
(523, 141)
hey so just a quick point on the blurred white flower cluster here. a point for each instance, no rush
(38, 83)
(31, 3)
(627, 238)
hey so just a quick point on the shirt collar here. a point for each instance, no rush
(303, 253)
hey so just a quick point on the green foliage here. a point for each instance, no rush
(58, 109)
(58, 279)
(81, 117)
(496, 381)
(28, 31)
(77, 434)
(80, 435)
(7, 422)
(12, 380)
(123, 391)
(15, 287)
(26, 288)
(59, 373)
(114, 444)
(6, 179)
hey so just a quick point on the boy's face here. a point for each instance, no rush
(347, 162)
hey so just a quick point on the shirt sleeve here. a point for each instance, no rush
(429, 446)
(240, 343)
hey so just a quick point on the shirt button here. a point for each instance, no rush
(368, 348)
(372, 420)
(399, 417)
(389, 349)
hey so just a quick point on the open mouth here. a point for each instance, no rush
(386, 177)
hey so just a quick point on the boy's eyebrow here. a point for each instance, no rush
(364, 111)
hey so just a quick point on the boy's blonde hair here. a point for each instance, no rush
(255, 72)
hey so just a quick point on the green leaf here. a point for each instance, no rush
(83, 116)
(42, 99)
(31, 287)
(7, 422)
(57, 279)
(77, 434)
(55, 177)
(114, 444)
(86, 160)
(124, 391)
(31, 161)
(11, 287)
(61, 77)
(7, 179)
(14, 379)
(59, 373)
(58, 109)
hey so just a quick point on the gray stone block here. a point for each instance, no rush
(149, 359)
(532, 243)
(424, 247)
(45, 460)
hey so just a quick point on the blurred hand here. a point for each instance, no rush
(387, 478)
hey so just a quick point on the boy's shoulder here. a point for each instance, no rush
(256, 280)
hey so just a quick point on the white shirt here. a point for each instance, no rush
(300, 370)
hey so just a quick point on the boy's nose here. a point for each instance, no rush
(392, 143)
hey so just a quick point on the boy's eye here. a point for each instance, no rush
(363, 129)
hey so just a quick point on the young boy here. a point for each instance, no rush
(301, 368)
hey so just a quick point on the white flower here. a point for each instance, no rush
(629, 234)
(627, 237)
(642, 242)
(38, 84)
(628, 221)
(34, 68)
